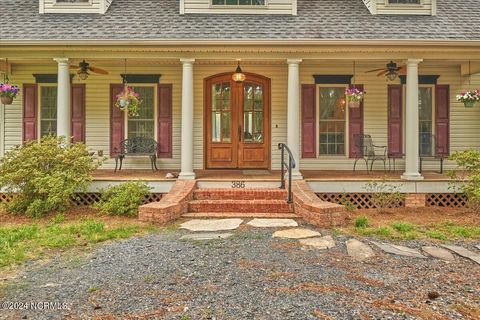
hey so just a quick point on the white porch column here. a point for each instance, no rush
(293, 114)
(63, 99)
(411, 120)
(187, 120)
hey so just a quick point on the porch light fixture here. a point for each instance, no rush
(238, 76)
(391, 75)
(83, 74)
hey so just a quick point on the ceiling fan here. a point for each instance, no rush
(84, 67)
(391, 71)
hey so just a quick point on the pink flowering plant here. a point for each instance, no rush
(8, 90)
(354, 96)
(469, 98)
(128, 100)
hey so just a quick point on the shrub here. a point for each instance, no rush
(384, 195)
(45, 175)
(348, 204)
(402, 227)
(361, 222)
(123, 199)
(468, 171)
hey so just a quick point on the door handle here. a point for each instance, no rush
(239, 133)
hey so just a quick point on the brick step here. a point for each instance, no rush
(274, 206)
(240, 215)
(240, 194)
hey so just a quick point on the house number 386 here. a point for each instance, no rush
(238, 184)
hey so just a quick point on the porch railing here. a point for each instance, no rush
(286, 165)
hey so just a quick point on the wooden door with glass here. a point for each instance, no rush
(237, 122)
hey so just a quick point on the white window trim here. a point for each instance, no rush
(230, 6)
(39, 106)
(155, 108)
(70, 4)
(347, 121)
(403, 5)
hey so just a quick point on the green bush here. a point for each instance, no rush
(123, 199)
(468, 171)
(384, 194)
(45, 175)
(361, 222)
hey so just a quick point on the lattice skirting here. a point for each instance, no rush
(89, 198)
(360, 200)
(449, 200)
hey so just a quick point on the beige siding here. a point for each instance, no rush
(426, 7)
(271, 7)
(465, 123)
(95, 6)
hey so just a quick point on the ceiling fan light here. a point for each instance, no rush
(391, 76)
(83, 75)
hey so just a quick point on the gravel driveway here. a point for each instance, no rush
(248, 276)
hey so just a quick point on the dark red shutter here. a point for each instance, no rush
(117, 120)
(29, 112)
(78, 113)
(355, 123)
(442, 120)
(395, 120)
(309, 119)
(164, 118)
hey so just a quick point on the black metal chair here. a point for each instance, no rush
(137, 146)
(366, 150)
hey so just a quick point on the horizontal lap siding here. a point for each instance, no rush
(465, 123)
(273, 7)
(51, 7)
(97, 109)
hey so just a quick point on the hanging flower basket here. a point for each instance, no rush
(128, 101)
(354, 97)
(469, 98)
(8, 92)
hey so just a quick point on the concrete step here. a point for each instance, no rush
(240, 215)
(274, 206)
(240, 194)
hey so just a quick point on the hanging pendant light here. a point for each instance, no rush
(238, 76)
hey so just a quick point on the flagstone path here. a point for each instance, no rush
(249, 269)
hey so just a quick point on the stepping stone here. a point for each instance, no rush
(463, 252)
(212, 225)
(439, 253)
(358, 250)
(206, 236)
(399, 250)
(297, 233)
(319, 243)
(272, 223)
(478, 246)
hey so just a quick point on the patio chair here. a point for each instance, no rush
(366, 150)
(137, 146)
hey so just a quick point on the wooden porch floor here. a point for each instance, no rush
(263, 175)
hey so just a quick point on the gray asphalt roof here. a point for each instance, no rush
(316, 19)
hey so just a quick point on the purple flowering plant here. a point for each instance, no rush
(128, 100)
(354, 94)
(8, 90)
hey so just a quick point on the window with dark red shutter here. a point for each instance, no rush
(29, 112)
(355, 123)
(309, 119)
(164, 125)
(395, 120)
(78, 113)
(117, 120)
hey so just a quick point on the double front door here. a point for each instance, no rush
(237, 122)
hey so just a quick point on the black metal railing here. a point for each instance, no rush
(289, 166)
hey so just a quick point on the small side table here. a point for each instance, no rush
(393, 156)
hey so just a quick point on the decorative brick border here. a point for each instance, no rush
(171, 206)
(315, 211)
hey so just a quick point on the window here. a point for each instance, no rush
(332, 120)
(73, 1)
(221, 115)
(48, 110)
(238, 2)
(425, 117)
(403, 1)
(144, 124)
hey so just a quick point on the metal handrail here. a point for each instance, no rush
(289, 166)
